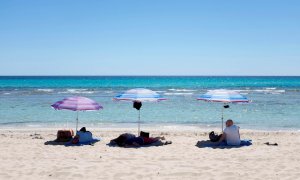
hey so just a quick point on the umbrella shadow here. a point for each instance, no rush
(69, 143)
(214, 145)
(112, 145)
(55, 143)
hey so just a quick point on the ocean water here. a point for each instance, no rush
(25, 101)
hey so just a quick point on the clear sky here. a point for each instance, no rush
(150, 37)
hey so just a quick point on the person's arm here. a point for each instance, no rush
(159, 138)
(223, 137)
(239, 132)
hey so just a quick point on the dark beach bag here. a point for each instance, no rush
(144, 134)
(214, 137)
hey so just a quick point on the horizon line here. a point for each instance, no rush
(150, 75)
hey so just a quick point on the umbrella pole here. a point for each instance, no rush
(77, 122)
(223, 119)
(139, 120)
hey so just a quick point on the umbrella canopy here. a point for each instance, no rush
(223, 96)
(77, 103)
(137, 96)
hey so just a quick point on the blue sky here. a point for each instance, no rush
(169, 37)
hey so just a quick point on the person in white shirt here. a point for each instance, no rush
(231, 134)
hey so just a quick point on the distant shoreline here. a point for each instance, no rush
(146, 126)
(232, 76)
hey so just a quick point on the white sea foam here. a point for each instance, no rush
(270, 91)
(182, 90)
(33, 125)
(77, 91)
(178, 94)
(108, 92)
(45, 90)
(160, 91)
(265, 91)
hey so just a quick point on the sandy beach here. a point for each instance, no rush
(175, 69)
(23, 155)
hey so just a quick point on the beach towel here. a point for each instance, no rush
(209, 144)
(83, 137)
(90, 142)
(156, 143)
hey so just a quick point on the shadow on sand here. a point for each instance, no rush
(214, 145)
(155, 144)
(55, 143)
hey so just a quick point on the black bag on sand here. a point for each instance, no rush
(144, 134)
(214, 137)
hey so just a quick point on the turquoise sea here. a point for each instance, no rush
(25, 101)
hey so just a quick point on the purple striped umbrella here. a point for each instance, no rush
(77, 103)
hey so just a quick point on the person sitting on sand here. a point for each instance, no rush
(82, 136)
(231, 134)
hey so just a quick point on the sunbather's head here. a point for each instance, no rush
(229, 123)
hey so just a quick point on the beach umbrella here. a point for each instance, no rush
(137, 96)
(77, 103)
(223, 96)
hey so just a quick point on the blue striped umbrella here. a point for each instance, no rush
(223, 96)
(139, 95)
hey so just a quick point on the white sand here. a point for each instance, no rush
(24, 157)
